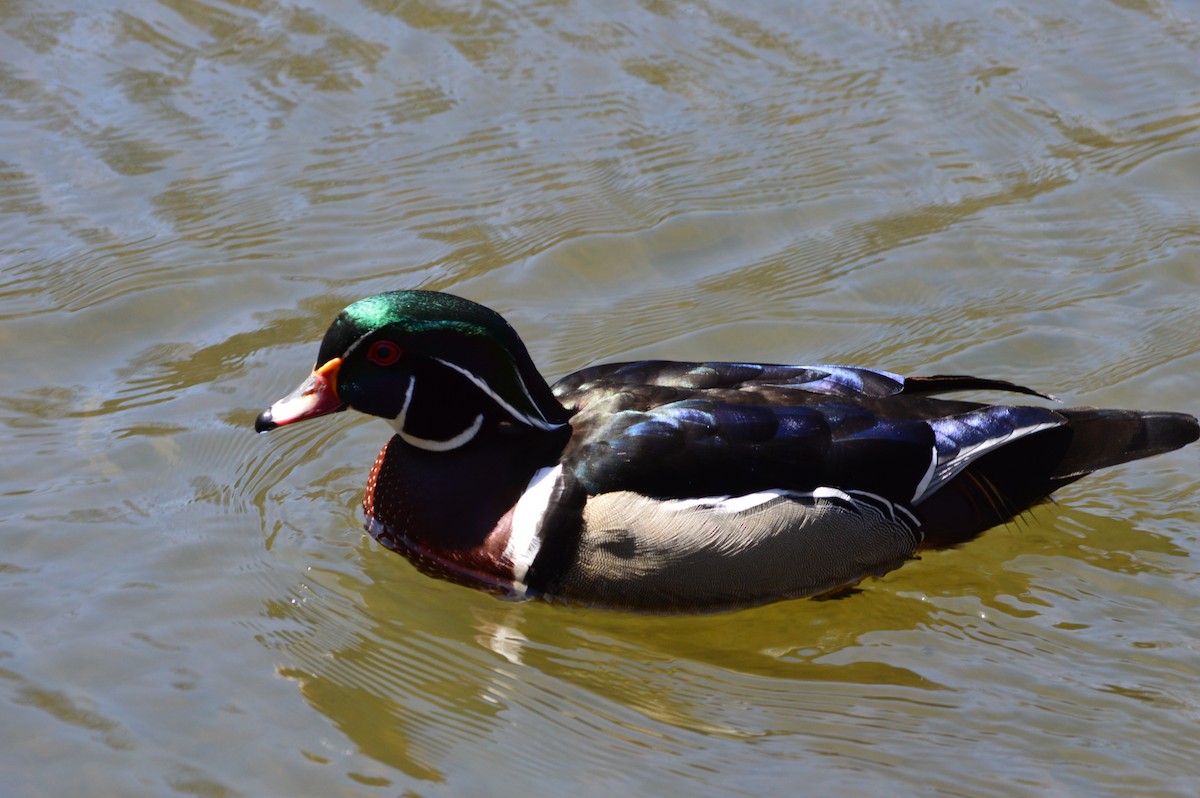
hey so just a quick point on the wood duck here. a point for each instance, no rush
(661, 486)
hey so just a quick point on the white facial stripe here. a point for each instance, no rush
(540, 423)
(533, 404)
(425, 443)
(525, 539)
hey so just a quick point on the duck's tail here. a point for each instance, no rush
(1103, 438)
(1008, 480)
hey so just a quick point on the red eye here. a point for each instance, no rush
(383, 353)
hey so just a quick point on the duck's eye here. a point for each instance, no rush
(383, 353)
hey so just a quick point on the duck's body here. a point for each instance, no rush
(680, 486)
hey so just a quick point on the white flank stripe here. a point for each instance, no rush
(526, 539)
(682, 505)
(425, 443)
(540, 423)
(724, 504)
(831, 493)
(739, 504)
(748, 501)
(912, 519)
(888, 503)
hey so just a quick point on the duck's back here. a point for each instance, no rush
(699, 430)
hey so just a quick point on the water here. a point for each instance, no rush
(189, 191)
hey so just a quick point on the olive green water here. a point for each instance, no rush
(189, 191)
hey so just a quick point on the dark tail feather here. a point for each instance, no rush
(1103, 438)
(942, 383)
(1006, 482)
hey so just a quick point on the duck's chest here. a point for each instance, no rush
(450, 514)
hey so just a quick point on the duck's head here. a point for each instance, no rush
(438, 367)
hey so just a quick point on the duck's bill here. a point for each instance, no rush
(316, 396)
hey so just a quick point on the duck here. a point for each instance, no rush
(671, 487)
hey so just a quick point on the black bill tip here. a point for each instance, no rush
(264, 422)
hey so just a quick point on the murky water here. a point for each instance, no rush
(189, 190)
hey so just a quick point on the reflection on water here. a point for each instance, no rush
(190, 190)
(420, 674)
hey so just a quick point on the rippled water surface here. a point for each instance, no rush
(189, 190)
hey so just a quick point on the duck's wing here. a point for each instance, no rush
(677, 431)
(688, 430)
(732, 443)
